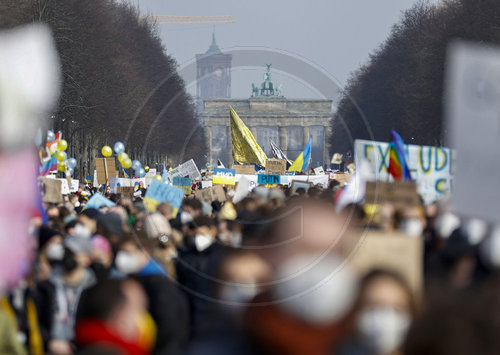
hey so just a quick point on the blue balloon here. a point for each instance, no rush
(119, 148)
(50, 136)
(136, 164)
(71, 163)
(140, 173)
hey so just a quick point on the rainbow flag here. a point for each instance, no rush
(50, 162)
(398, 167)
(125, 173)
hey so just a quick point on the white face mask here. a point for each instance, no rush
(412, 227)
(316, 289)
(186, 217)
(55, 252)
(77, 204)
(446, 223)
(236, 240)
(475, 229)
(489, 250)
(202, 241)
(383, 327)
(81, 231)
(126, 263)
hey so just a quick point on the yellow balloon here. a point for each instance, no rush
(107, 151)
(61, 166)
(158, 177)
(61, 156)
(62, 145)
(122, 157)
(127, 163)
(146, 168)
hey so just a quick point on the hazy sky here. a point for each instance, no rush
(336, 35)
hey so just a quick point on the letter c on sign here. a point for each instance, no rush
(441, 186)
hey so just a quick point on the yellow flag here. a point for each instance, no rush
(245, 147)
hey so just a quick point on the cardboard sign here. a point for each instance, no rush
(275, 166)
(161, 192)
(180, 181)
(187, 169)
(51, 190)
(399, 194)
(105, 168)
(472, 108)
(268, 179)
(430, 167)
(245, 169)
(125, 190)
(224, 176)
(342, 178)
(395, 252)
(215, 193)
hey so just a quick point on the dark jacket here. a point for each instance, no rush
(168, 307)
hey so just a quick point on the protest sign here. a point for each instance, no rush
(215, 193)
(64, 186)
(51, 190)
(275, 166)
(472, 107)
(151, 173)
(398, 194)
(224, 176)
(245, 169)
(319, 170)
(268, 179)
(187, 169)
(396, 252)
(342, 178)
(300, 184)
(160, 192)
(430, 167)
(125, 190)
(206, 184)
(97, 201)
(105, 168)
(181, 181)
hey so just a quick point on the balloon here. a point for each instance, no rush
(158, 177)
(106, 151)
(62, 145)
(136, 164)
(140, 173)
(146, 168)
(61, 166)
(61, 156)
(127, 163)
(50, 136)
(122, 157)
(71, 163)
(119, 148)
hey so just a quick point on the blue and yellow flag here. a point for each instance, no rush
(245, 147)
(302, 161)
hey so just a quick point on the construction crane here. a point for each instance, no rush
(171, 19)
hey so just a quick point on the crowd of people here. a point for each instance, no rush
(269, 274)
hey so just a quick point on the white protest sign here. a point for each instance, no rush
(64, 186)
(313, 179)
(151, 173)
(473, 125)
(430, 167)
(205, 184)
(187, 169)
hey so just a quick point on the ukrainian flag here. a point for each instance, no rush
(302, 161)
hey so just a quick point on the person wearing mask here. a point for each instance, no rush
(58, 296)
(381, 317)
(197, 266)
(167, 304)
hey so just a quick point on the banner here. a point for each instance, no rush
(187, 169)
(430, 167)
(224, 176)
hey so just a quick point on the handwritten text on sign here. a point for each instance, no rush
(430, 167)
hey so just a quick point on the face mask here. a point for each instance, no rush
(475, 229)
(384, 328)
(236, 240)
(239, 294)
(445, 224)
(202, 241)
(69, 262)
(126, 263)
(81, 231)
(77, 204)
(55, 252)
(186, 217)
(489, 250)
(315, 289)
(412, 227)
